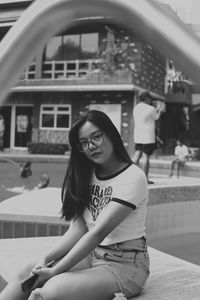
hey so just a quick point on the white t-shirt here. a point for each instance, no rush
(181, 151)
(144, 116)
(128, 187)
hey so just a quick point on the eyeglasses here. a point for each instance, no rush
(96, 140)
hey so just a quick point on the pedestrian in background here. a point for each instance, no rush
(144, 117)
(182, 155)
(2, 129)
(104, 198)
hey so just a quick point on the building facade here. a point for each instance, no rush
(93, 65)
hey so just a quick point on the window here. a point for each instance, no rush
(55, 117)
(72, 47)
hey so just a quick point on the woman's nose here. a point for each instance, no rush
(91, 145)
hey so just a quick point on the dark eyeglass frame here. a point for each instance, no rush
(92, 140)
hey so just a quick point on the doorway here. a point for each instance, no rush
(23, 125)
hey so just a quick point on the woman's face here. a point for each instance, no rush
(95, 144)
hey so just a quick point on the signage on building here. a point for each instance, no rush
(22, 123)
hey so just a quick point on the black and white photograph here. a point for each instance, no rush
(99, 149)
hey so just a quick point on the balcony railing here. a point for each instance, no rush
(29, 72)
(175, 87)
(69, 69)
(53, 70)
(71, 72)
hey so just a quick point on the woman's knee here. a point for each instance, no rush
(36, 295)
(50, 291)
(55, 288)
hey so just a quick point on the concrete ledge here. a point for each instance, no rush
(32, 214)
(171, 210)
(162, 166)
(171, 278)
(173, 194)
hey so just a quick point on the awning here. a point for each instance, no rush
(83, 88)
(74, 88)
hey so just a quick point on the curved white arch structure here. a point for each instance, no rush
(46, 17)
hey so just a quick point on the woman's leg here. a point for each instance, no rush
(13, 290)
(95, 283)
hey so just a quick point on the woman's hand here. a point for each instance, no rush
(43, 274)
(40, 264)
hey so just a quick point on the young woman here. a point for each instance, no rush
(105, 198)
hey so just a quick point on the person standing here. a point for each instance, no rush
(144, 117)
(104, 197)
(2, 129)
(182, 154)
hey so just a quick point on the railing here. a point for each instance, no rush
(175, 87)
(69, 69)
(29, 72)
(88, 71)
(53, 70)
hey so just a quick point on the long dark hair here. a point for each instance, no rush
(75, 190)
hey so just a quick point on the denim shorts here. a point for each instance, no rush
(129, 263)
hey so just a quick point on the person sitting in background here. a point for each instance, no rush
(25, 169)
(182, 154)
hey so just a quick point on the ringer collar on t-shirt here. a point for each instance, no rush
(114, 174)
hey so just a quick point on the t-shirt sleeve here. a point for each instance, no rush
(131, 191)
(154, 113)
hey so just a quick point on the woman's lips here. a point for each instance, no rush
(95, 154)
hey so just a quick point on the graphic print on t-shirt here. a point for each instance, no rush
(100, 197)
